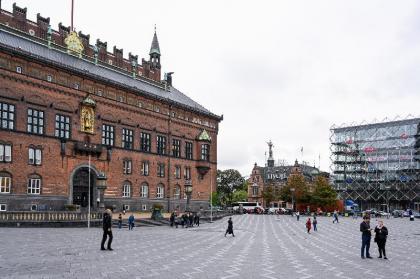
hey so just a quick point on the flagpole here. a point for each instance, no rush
(211, 198)
(72, 8)
(89, 197)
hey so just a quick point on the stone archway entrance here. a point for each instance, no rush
(81, 187)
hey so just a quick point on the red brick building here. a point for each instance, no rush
(64, 100)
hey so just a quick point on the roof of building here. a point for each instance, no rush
(38, 50)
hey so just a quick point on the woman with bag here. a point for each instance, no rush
(381, 233)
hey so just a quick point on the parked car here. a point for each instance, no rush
(273, 210)
(398, 213)
(382, 214)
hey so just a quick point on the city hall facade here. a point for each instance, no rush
(80, 125)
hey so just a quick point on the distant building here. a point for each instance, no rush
(377, 165)
(274, 175)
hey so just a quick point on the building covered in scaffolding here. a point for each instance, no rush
(377, 165)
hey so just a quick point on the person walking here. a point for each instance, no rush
(172, 219)
(335, 215)
(381, 234)
(297, 215)
(230, 227)
(197, 220)
(308, 225)
(131, 222)
(314, 223)
(119, 221)
(366, 236)
(191, 220)
(106, 225)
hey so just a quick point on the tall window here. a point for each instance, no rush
(189, 150)
(177, 172)
(35, 156)
(161, 145)
(145, 142)
(7, 116)
(127, 189)
(161, 170)
(108, 135)
(62, 126)
(187, 173)
(145, 168)
(35, 121)
(34, 185)
(144, 191)
(5, 152)
(177, 192)
(176, 148)
(160, 190)
(205, 152)
(5, 182)
(127, 166)
(255, 190)
(127, 139)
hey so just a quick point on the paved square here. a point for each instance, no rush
(264, 247)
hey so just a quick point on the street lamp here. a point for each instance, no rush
(293, 198)
(387, 188)
(188, 191)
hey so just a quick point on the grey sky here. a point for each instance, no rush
(279, 70)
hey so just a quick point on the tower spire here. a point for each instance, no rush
(155, 51)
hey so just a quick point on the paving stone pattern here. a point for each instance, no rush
(264, 247)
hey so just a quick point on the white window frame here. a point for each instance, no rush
(34, 186)
(35, 156)
(3, 207)
(5, 152)
(126, 190)
(5, 184)
(177, 192)
(18, 69)
(145, 168)
(187, 173)
(178, 172)
(127, 166)
(160, 191)
(144, 191)
(144, 207)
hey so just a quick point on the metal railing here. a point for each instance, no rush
(31, 216)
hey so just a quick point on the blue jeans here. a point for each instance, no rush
(365, 245)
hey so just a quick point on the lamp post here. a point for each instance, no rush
(387, 188)
(293, 198)
(188, 191)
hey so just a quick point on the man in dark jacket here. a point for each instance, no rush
(230, 227)
(107, 224)
(366, 236)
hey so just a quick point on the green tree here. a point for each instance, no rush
(240, 195)
(324, 194)
(216, 199)
(300, 193)
(270, 194)
(229, 181)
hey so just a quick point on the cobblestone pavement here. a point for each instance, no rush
(264, 247)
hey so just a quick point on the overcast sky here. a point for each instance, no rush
(280, 70)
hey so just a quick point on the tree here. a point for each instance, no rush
(216, 199)
(240, 195)
(270, 193)
(229, 181)
(300, 193)
(324, 194)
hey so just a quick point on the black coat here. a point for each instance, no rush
(107, 222)
(230, 227)
(365, 229)
(381, 234)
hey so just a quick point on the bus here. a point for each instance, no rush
(248, 207)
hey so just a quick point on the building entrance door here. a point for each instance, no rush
(81, 187)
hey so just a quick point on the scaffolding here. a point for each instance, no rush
(377, 165)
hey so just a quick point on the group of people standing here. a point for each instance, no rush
(186, 220)
(381, 234)
(130, 221)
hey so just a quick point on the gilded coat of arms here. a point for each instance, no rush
(87, 116)
(74, 44)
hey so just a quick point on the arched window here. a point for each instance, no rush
(144, 190)
(127, 189)
(34, 184)
(177, 192)
(160, 191)
(5, 182)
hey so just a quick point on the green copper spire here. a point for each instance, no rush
(154, 49)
